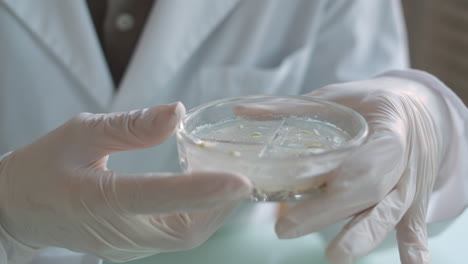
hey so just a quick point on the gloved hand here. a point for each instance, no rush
(58, 192)
(388, 181)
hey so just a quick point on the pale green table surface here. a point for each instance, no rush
(259, 245)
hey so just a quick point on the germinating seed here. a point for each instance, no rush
(234, 153)
(256, 134)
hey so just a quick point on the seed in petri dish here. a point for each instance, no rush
(234, 153)
(240, 126)
(305, 132)
(315, 145)
(202, 145)
(256, 134)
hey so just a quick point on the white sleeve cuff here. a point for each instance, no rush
(11, 250)
(14, 252)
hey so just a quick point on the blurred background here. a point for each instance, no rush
(438, 38)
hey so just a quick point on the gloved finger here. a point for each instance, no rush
(367, 229)
(188, 230)
(351, 188)
(314, 215)
(356, 94)
(164, 194)
(412, 237)
(107, 133)
(152, 234)
(275, 110)
(133, 237)
(341, 94)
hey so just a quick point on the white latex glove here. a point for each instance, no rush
(388, 181)
(58, 192)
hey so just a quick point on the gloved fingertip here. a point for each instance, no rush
(336, 255)
(157, 123)
(413, 252)
(285, 228)
(231, 186)
(242, 187)
(248, 111)
(174, 110)
(178, 108)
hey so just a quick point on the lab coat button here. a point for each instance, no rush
(125, 22)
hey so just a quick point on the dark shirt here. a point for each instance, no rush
(119, 24)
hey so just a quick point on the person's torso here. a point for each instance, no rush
(53, 68)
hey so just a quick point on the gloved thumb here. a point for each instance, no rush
(108, 133)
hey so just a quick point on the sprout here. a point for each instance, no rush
(305, 132)
(205, 144)
(256, 134)
(234, 153)
(314, 145)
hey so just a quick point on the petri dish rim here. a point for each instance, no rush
(352, 143)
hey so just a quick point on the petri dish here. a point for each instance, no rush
(285, 145)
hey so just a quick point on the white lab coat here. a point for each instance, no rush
(52, 67)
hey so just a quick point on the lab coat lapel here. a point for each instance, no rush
(65, 29)
(174, 31)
